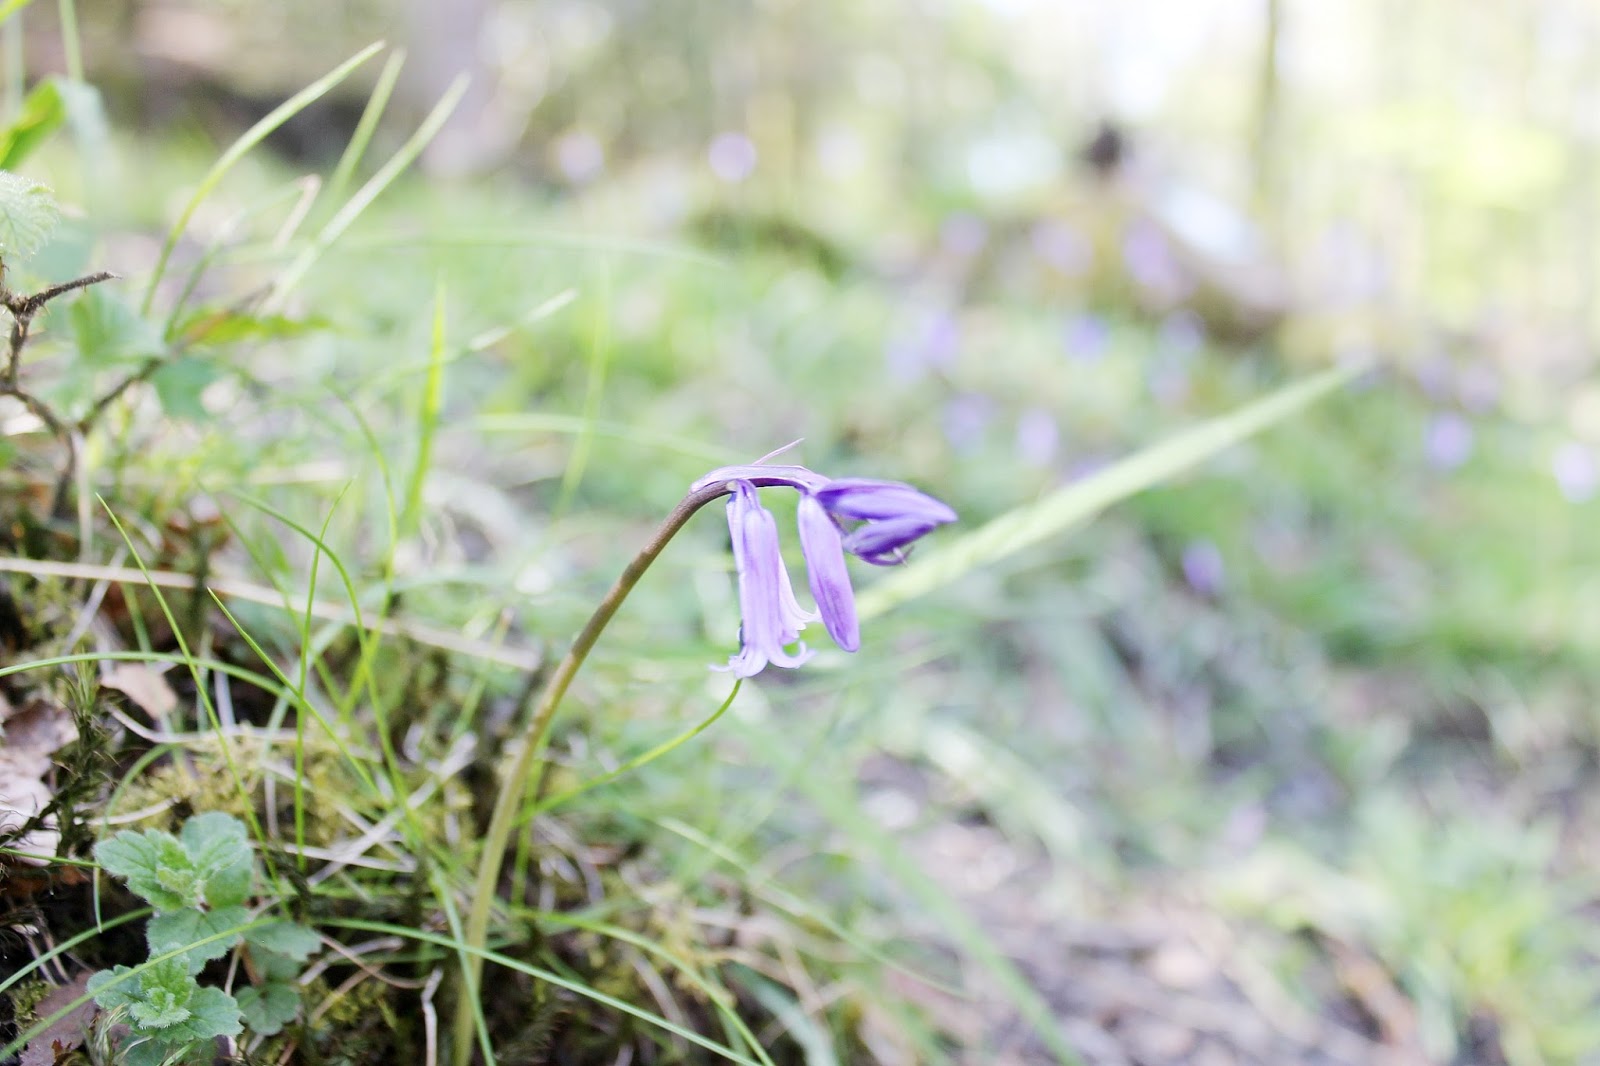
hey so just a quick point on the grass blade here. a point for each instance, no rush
(1079, 502)
(346, 215)
(241, 147)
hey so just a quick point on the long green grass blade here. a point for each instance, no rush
(427, 421)
(366, 126)
(296, 271)
(1079, 502)
(241, 147)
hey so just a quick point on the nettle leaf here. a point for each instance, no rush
(213, 1013)
(289, 939)
(220, 850)
(42, 113)
(268, 1008)
(109, 332)
(181, 383)
(181, 929)
(109, 996)
(28, 212)
(155, 865)
(156, 996)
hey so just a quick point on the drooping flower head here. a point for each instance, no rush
(772, 617)
(876, 521)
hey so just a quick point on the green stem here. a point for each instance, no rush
(529, 766)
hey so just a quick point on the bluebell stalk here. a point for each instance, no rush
(872, 520)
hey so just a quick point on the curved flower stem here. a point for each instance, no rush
(529, 765)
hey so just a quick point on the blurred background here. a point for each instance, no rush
(1290, 760)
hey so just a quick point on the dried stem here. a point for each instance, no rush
(23, 310)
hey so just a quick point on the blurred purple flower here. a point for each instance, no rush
(1168, 381)
(1182, 334)
(1061, 246)
(1434, 374)
(1150, 261)
(580, 156)
(1203, 568)
(732, 157)
(1086, 337)
(963, 234)
(1574, 468)
(966, 420)
(874, 520)
(1447, 441)
(1037, 437)
(1478, 386)
(932, 343)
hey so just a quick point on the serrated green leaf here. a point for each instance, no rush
(220, 851)
(41, 114)
(109, 332)
(28, 212)
(154, 864)
(156, 995)
(108, 996)
(213, 1013)
(270, 966)
(169, 932)
(285, 938)
(158, 1009)
(180, 385)
(268, 1008)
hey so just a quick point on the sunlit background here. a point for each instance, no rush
(1292, 759)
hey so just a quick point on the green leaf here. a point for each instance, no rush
(220, 850)
(269, 1007)
(41, 114)
(180, 929)
(180, 385)
(85, 112)
(110, 996)
(109, 332)
(222, 326)
(213, 1013)
(28, 212)
(156, 995)
(270, 966)
(155, 865)
(285, 938)
(149, 1051)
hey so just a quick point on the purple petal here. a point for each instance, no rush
(795, 477)
(867, 499)
(830, 581)
(882, 543)
(765, 596)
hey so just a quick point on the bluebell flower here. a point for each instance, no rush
(876, 521)
(772, 617)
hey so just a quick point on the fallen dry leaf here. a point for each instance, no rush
(66, 1033)
(28, 737)
(142, 684)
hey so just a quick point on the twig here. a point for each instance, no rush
(23, 310)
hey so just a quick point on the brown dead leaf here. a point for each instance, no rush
(142, 684)
(28, 737)
(66, 1033)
